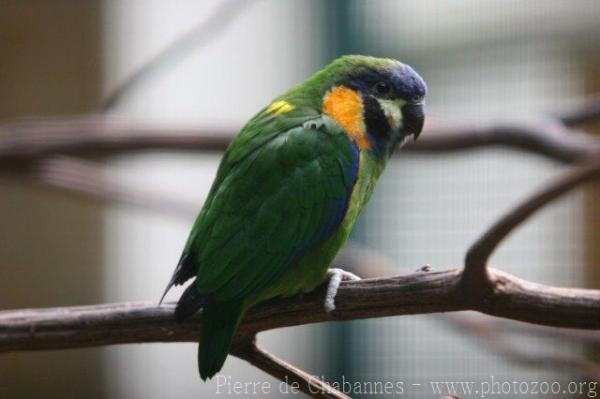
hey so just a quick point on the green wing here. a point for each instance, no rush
(283, 186)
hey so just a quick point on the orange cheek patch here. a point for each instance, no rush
(345, 106)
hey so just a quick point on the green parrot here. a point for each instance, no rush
(288, 190)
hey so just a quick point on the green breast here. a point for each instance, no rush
(370, 168)
(310, 270)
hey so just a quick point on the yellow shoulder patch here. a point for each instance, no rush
(345, 106)
(280, 107)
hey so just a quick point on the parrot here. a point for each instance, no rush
(287, 192)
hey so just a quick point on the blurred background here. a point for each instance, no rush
(484, 62)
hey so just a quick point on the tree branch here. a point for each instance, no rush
(201, 35)
(25, 142)
(419, 293)
(22, 143)
(479, 253)
(547, 139)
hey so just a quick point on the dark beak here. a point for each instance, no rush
(413, 117)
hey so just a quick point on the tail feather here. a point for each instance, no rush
(219, 323)
(190, 303)
(184, 271)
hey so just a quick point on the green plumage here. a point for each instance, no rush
(287, 193)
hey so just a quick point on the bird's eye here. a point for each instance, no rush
(416, 99)
(383, 88)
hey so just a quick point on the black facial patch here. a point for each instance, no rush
(377, 124)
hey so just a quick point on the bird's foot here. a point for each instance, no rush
(336, 276)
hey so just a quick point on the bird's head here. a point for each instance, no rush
(378, 101)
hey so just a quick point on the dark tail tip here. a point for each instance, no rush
(184, 271)
(207, 374)
(219, 322)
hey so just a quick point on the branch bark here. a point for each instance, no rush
(418, 293)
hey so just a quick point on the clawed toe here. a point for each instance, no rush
(336, 276)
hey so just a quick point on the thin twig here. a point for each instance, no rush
(494, 340)
(199, 36)
(579, 336)
(298, 380)
(589, 111)
(85, 178)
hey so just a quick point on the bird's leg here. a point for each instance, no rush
(336, 276)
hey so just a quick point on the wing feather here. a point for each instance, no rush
(277, 194)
